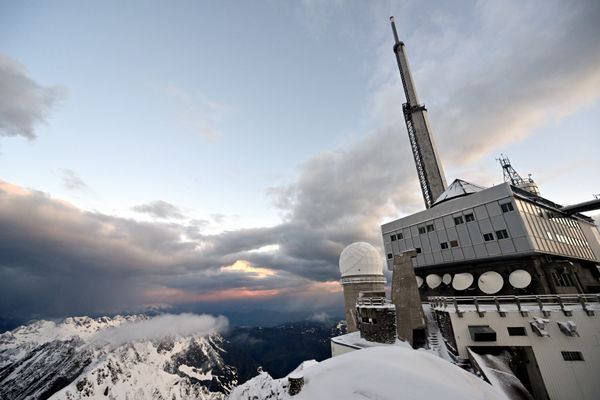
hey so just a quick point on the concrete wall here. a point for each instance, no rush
(351, 291)
(563, 379)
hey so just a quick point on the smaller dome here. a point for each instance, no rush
(360, 258)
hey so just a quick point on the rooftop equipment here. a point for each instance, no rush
(512, 176)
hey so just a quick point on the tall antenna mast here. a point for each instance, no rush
(429, 169)
(513, 177)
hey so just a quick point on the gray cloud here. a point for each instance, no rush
(72, 181)
(160, 209)
(24, 103)
(494, 73)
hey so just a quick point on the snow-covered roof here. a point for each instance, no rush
(458, 188)
(360, 258)
(383, 373)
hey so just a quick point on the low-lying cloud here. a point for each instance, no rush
(160, 327)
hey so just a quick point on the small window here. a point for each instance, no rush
(444, 245)
(506, 207)
(418, 250)
(422, 230)
(400, 236)
(430, 228)
(454, 243)
(562, 279)
(572, 355)
(488, 237)
(393, 238)
(502, 234)
(390, 255)
(458, 220)
(469, 217)
(516, 331)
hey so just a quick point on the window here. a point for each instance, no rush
(469, 217)
(393, 238)
(430, 228)
(458, 220)
(400, 236)
(390, 255)
(421, 230)
(454, 243)
(444, 245)
(488, 237)
(562, 279)
(506, 207)
(418, 250)
(516, 331)
(572, 355)
(502, 234)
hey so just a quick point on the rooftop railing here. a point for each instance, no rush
(567, 303)
(372, 301)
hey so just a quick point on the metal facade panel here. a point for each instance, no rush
(469, 252)
(493, 209)
(492, 248)
(506, 246)
(475, 232)
(481, 212)
(480, 250)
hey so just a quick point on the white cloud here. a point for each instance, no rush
(162, 326)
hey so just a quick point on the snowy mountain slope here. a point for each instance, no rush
(377, 373)
(135, 357)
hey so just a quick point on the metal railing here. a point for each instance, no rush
(566, 303)
(372, 301)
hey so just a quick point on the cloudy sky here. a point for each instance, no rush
(157, 154)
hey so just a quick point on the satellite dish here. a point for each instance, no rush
(519, 279)
(419, 281)
(490, 282)
(447, 278)
(433, 280)
(462, 281)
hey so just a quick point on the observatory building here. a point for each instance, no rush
(361, 267)
(506, 282)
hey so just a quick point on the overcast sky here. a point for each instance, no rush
(160, 154)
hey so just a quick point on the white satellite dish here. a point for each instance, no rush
(433, 280)
(447, 278)
(419, 281)
(462, 281)
(490, 282)
(519, 278)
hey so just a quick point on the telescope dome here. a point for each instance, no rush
(360, 258)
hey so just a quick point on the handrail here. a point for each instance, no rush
(563, 301)
(372, 301)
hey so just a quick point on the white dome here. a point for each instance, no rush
(360, 258)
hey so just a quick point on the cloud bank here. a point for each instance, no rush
(24, 103)
(160, 327)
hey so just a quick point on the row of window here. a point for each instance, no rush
(470, 217)
(501, 234)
